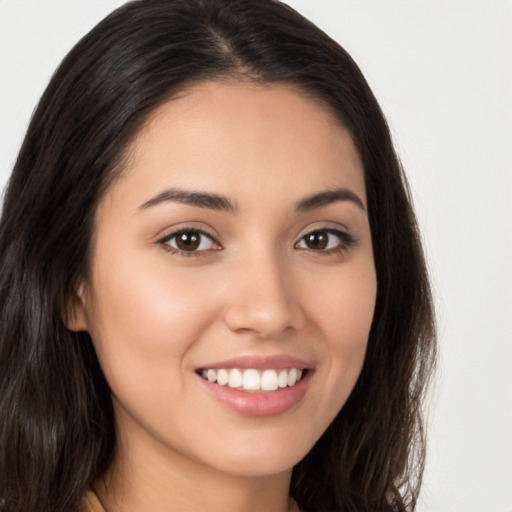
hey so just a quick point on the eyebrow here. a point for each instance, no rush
(328, 197)
(219, 203)
(199, 199)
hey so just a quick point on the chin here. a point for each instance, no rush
(263, 458)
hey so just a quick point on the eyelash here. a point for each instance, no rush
(174, 250)
(346, 241)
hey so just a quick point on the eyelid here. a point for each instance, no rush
(347, 240)
(163, 241)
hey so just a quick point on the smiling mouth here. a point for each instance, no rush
(253, 380)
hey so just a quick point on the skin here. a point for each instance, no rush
(155, 314)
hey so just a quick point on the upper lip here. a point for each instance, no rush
(260, 362)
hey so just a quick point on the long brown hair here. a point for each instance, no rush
(57, 426)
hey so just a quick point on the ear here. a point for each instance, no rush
(76, 318)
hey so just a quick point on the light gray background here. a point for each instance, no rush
(442, 70)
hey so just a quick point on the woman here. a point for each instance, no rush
(213, 289)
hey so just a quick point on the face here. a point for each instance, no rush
(232, 281)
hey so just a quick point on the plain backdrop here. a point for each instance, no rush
(442, 70)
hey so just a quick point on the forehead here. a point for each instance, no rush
(227, 137)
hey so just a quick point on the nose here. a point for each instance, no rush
(263, 298)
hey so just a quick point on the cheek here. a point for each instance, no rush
(344, 313)
(344, 304)
(144, 322)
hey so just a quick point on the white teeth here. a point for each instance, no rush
(222, 377)
(292, 377)
(282, 380)
(235, 379)
(253, 380)
(269, 380)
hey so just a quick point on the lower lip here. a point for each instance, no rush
(259, 404)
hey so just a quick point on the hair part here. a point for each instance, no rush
(57, 434)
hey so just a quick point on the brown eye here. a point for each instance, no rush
(190, 241)
(325, 240)
(317, 240)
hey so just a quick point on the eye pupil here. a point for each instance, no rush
(317, 240)
(188, 241)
